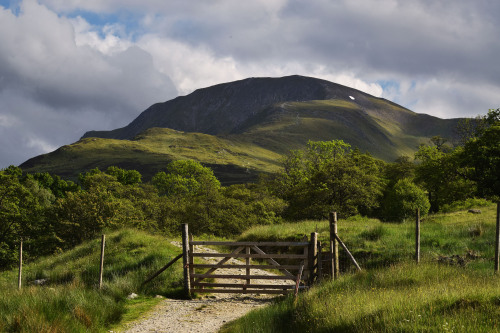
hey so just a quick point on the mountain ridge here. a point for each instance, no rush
(243, 128)
(231, 104)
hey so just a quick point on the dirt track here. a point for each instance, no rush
(203, 315)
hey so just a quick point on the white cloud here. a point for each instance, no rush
(68, 66)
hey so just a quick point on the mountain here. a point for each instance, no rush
(242, 128)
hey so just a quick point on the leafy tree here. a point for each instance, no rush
(83, 215)
(329, 176)
(186, 178)
(125, 177)
(441, 174)
(482, 157)
(403, 199)
(54, 183)
(22, 213)
(403, 167)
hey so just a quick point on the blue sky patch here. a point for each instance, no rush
(13, 5)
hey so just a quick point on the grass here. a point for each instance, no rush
(374, 243)
(400, 298)
(392, 293)
(69, 300)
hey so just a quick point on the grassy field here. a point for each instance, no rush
(69, 300)
(453, 289)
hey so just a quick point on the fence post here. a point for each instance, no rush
(497, 240)
(313, 257)
(334, 246)
(191, 262)
(306, 256)
(185, 258)
(103, 244)
(320, 261)
(19, 276)
(417, 235)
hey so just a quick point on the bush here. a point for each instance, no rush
(465, 204)
(403, 200)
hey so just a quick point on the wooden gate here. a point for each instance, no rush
(297, 269)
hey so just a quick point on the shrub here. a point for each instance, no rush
(403, 200)
(465, 204)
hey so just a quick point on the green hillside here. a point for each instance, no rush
(233, 161)
(242, 128)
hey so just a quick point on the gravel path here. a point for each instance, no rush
(207, 314)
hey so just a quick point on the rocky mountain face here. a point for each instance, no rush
(243, 128)
(227, 108)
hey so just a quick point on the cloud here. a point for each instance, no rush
(59, 79)
(68, 66)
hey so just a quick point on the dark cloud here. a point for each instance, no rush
(53, 90)
(60, 75)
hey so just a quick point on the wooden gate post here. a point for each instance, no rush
(417, 236)
(313, 257)
(247, 262)
(334, 246)
(185, 258)
(497, 240)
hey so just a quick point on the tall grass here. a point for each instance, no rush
(69, 300)
(375, 243)
(454, 289)
(401, 298)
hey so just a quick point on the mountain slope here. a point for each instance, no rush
(242, 128)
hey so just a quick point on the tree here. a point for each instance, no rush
(442, 175)
(329, 176)
(481, 156)
(185, 178)
(125, 177)
(402, 201)
(22, 214)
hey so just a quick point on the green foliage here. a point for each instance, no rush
(22, 214)
(469, 203)
(442, 175)
(403, 200)
(329, 176)
(125, 177)
(185, 178)
(229, 211)
(482, 157)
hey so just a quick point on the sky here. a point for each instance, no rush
(70, 66)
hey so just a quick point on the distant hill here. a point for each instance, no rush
(242, 128)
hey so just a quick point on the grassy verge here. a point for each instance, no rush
(69, 301)
(401, 298)
(453, 289)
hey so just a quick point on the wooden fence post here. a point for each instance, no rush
(101, 269)
(334, 246)
(306, 258)
(313, 257)
(19, 276)
(320, 261)
(497, 240)
(185, 258)
(417, 235)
